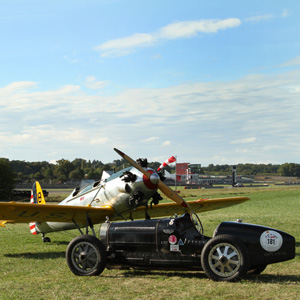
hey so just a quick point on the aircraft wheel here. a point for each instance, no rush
(86, 256)
(225, 258)
(46, 240)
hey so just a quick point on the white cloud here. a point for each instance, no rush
(293, 88)
(260, 18)
(166, 143)
(99, 141)
(92, 83)
(20, 97)
(72, 58)
(259, 111)
(17, 87)
(266, 17)
(292, 62)
(14, 139)
(186, 29)
(41, 135)
(123, 46)
(156, 56)
(285, 13)
(150, 139)
(52, 132)
(244, 140)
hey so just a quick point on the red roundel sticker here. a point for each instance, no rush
(172, 239)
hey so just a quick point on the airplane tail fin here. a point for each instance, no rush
(37, 197)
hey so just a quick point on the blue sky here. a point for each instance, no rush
(208, 81)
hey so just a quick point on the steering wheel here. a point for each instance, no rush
(197, 223)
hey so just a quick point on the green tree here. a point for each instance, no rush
(63, 169)
(289, 169)
(76, 174)
(6, 179)
(48, 173)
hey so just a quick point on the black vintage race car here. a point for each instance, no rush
(178, 243)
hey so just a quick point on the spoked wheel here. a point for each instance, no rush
(196, 221)
(86, 256)
(225, 258)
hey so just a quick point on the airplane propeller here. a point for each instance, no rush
(162, 186)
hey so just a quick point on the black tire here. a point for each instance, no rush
(86, 256)
(225, 258)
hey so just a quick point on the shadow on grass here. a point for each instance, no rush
(262, 278)
(38, 255)
(265, 278)
(154, 274)
(60, 243)
(297, 245)
(167, 274)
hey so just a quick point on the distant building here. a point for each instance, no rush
(181, 169)
(187, 173)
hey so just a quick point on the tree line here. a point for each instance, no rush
(64, 170)
(78, 169)
(16, 171)
(286, 169)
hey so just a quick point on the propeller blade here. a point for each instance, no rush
(163, 187)
(172, 195)
(133, 163)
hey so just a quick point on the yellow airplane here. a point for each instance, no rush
(123, 195)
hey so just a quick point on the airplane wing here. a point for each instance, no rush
(3, 222)
(198, 206)
(11, 212)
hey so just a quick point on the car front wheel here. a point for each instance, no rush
(225, 258)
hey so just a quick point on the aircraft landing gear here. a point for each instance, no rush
(45, 239)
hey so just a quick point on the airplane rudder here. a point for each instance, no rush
(38, 195)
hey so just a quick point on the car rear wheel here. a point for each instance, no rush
(225, 258)
(86, 256)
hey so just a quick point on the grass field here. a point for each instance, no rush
(31, 269)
